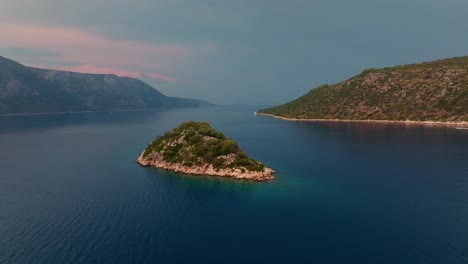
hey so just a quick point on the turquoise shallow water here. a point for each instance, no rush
(344, 193)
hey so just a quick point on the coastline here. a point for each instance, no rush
(100, 111)
(405, 122)
(206, 170)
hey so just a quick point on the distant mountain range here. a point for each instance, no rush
(431, 91)
(30, 90)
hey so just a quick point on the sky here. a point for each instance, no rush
(249, 52)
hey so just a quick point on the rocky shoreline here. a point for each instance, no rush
(206, 169)
(408, 122)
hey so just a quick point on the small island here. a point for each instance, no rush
(196, 148)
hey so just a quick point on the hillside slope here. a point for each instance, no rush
(30, 90)
(431, 91)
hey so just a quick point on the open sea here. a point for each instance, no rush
(70, 192)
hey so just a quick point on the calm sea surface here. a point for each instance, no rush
(344, 193)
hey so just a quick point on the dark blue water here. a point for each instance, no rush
(345, 193)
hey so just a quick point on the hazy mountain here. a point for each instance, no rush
(30, 90)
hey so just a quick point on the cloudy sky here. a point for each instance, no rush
(233, 51)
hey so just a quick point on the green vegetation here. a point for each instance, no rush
(366, 71)
(196, 144)
(431, 91)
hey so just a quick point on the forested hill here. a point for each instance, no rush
(431, 91)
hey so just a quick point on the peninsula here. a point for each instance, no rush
(196, 148)
(426, 93)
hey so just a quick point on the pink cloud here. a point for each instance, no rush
(160, 77)
(88, 68)
(121, 57)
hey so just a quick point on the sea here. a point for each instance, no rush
(71, 192)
